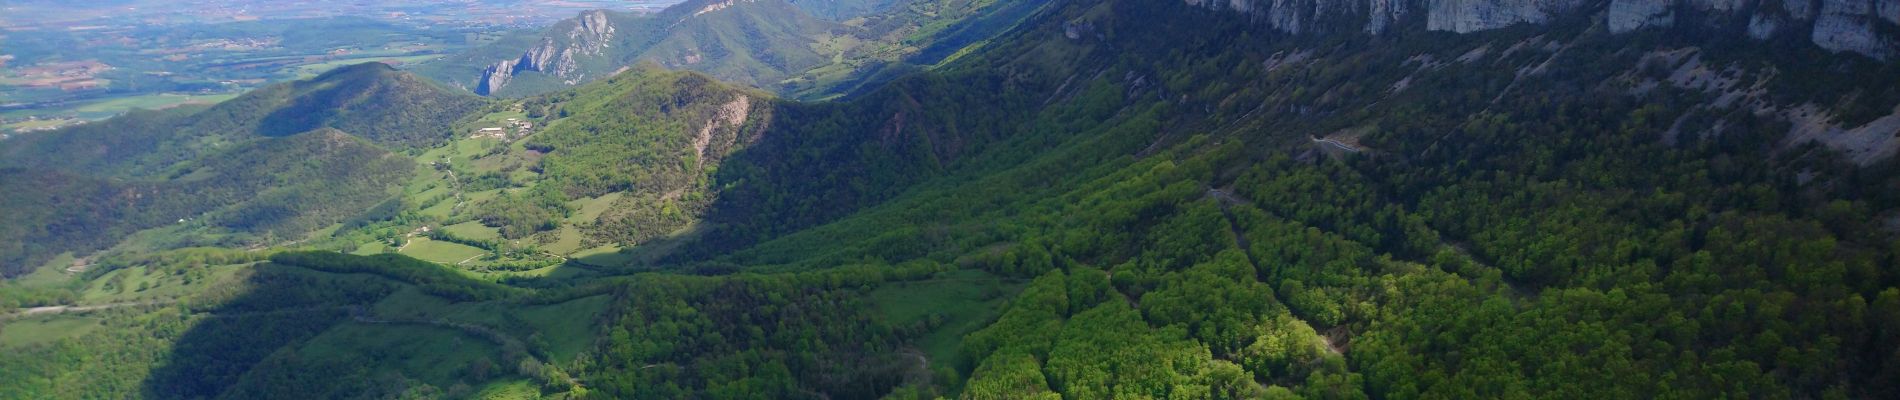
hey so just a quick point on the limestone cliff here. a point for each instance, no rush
(1860, 26)
(588, 35)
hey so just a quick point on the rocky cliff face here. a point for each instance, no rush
(588, 35)
(1860, 26)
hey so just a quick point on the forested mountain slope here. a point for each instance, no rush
(279, 186)
(273, 160)
(372, 101)
(1095, 204)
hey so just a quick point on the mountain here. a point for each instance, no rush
(840, 10)
(903, 38)
(372, 101)
(1858, 26)
(1107, 199)
(749, 41)
(277, 186)
(689, 159)
(804, 47)
(273, 161)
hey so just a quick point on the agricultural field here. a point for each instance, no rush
(441, 252)
(473, 230)
(43, 329)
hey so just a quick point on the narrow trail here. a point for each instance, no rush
(96, 307)
(361, 314)
(508, 343)
(1337, 144)
(1227, 201)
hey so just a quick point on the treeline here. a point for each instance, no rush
(801, 335)
(431, 278)
(197, 348)
(519, 214)
(824, 161)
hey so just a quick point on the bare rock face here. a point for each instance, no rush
(1466, 16)
(1859, 26)
(1763, 27)
(1629, 15)
(588, 35)
(1385, 13)
(495, 77)
(591, 33)
(1848, 25)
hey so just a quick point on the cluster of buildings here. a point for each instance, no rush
(516, 128)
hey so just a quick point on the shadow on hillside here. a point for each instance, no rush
(265, 340)
(824, 161)
(271, 310)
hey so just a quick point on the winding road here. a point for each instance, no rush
(65, 309)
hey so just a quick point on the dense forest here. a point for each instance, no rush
(1090, 205)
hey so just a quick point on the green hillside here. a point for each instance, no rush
(371, 100)
(271, 163)
(272, 187)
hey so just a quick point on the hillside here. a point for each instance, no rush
(276, 186)
(750, 42)
(803, 48)
(371, 100)
(841, 10)
(1107, 199)
(270, 162)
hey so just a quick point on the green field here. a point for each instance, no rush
(101, 109)
(442, 209)
(370, 248)
(37, 124)
(433, 354)
(44, 329)
(965, 299)
(439, 251)
(53, 272)
(149, 102)
(604, 256)
(140, 284)
(509, 390)
(589, 209)
(565, 240)
(473, 230)
(553, 272)
(567, 327)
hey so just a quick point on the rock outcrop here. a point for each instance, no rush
(588, 35)
(1859, 26)
(1466, 16)
(1629, 15)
